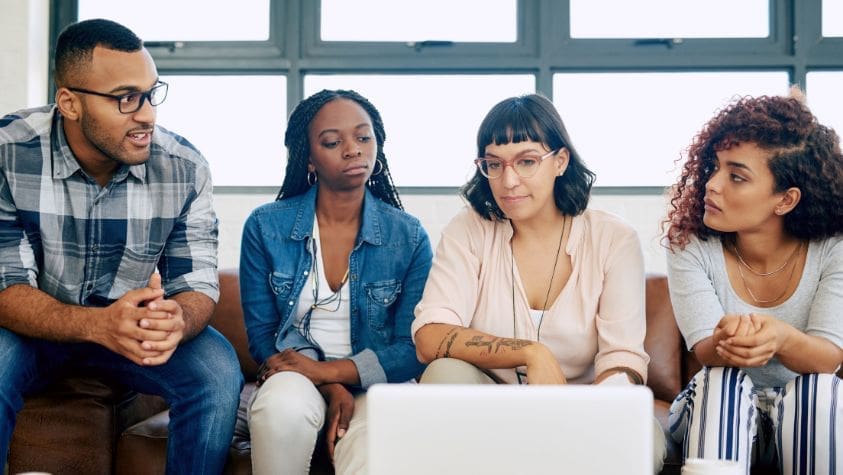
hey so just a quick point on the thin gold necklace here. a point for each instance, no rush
(749, 291)
(765, 274)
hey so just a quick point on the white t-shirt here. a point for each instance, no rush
(330, 325)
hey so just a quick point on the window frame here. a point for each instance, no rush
(543, 48)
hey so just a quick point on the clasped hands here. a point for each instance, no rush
(143, 326)
(748, 340)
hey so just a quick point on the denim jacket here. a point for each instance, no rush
(388, 267)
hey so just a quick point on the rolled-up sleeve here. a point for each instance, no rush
(17, 260)
(621, 319)
(189, 261)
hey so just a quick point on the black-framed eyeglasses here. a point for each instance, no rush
(525, 167)
(132, 101)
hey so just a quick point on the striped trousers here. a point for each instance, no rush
(721, 415)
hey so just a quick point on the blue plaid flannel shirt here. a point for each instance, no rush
(88, 245)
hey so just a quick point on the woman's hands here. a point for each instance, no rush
(340, 409)
(542, 367)
(749, 340)
(290, 360)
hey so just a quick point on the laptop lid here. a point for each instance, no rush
(509, 429)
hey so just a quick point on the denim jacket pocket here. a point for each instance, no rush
(281, 286)
(379, 297)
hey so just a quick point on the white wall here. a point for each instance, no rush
(23, 83)
(24, 53)
(643, 212)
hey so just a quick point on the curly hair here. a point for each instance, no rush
(804, 154)
(76, 43)
(530, 117)
(298, 146)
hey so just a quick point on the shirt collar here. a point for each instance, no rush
(64, 163)
(370, 229)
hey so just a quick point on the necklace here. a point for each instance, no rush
(330, 303)
(787, 283)
(549, 285)
(765, 274)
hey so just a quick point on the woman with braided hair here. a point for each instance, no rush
(329, 275)
(756, 280)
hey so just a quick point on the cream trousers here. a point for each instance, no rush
(286, 415)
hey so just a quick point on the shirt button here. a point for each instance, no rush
(95, 248)
(305, 272)
(385, 300)
(90, 286)
(290, 302)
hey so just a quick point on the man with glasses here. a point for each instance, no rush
(93, 198)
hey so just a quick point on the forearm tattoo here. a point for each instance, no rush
(496, 344)
(449, 340)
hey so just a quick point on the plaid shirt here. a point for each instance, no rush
(88, 245)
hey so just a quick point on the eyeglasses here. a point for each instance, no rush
(525, 167)
(133, 101)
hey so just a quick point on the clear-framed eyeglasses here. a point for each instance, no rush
(525, 166)
(132, 102)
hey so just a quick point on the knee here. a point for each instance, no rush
(279, 405)
(217, 374)
(451, 371)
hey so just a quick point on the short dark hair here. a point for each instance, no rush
(75, 45)
(804, 154)
(298, 146)
(530, 117)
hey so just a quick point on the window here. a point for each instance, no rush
(634, 79)
(824, 98)
(832, 18)
(448, 20)
(191, 20)
(431, 121)
(237, 122)
(630, 128)
(669, 18)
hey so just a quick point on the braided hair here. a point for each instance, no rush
(298, 147)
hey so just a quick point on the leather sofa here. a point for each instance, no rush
(82, 424)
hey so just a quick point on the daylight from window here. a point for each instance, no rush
(491, 21)
(630, 128)
(186, 20)
(431, 121)
(237, 122)
(670, 19)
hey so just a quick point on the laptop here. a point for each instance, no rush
(509, 429)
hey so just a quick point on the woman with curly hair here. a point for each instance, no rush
(329, 275)
(756, 279)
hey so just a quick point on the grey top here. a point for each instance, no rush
(702, 294)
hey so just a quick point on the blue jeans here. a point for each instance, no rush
(201, 383)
